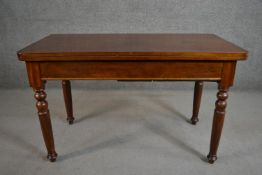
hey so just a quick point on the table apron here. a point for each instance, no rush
(131, 70)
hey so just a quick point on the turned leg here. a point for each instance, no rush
(68, 100)
(45, 122)
(197, 100)
(217, 126)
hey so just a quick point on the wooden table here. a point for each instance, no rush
(194, 57)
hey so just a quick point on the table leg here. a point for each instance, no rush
(197, 100)
(218, 121)
(68, 100)
(45, 122)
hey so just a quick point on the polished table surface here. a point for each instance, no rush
(128, 46)
(195, 57)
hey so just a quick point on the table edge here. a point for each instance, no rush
(132, 56)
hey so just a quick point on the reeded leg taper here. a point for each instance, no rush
(218, 122)
(197, 100)
(45, 122)
(68, 100)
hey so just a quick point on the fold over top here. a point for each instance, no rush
(127, 47)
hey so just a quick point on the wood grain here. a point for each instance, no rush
(195, 57)
(132, 70)
(66, 86)
(45, 123)
(197, 100)
(131, 47)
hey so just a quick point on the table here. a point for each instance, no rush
(191, 57)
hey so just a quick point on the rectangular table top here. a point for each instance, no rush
(96, 47)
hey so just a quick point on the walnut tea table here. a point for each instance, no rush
(191, 57)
